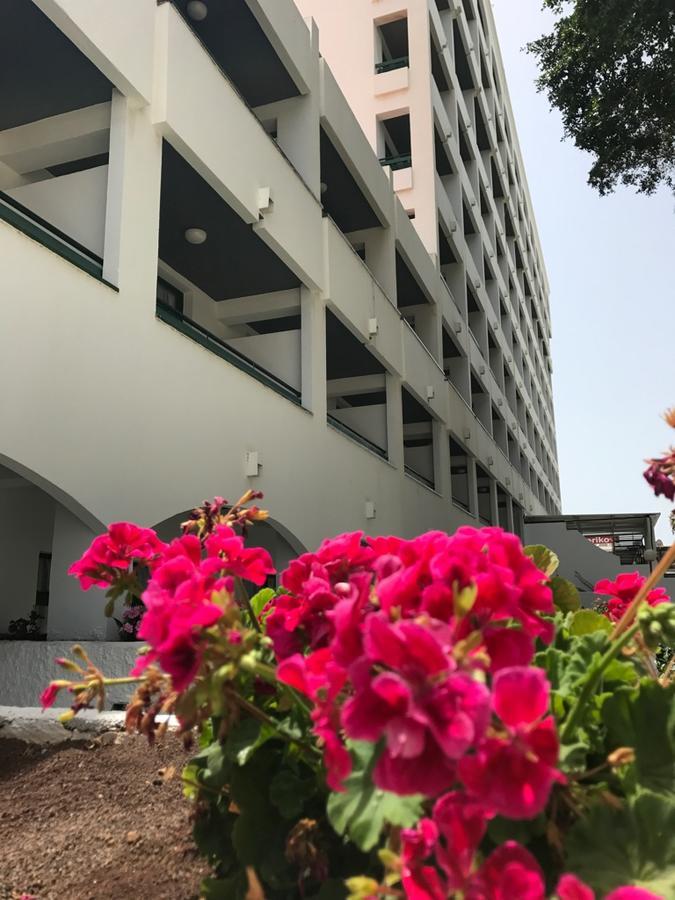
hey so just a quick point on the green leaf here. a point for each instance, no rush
(242, 741)
(252, 837)
(643, 719)
(565, 595)
(635, 845)
(586, 621)
(261, 599)
(362, 810)
(289, 793)
(543, 558)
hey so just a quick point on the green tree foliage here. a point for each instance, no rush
(609, 68)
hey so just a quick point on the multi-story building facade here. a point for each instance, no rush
(210, 282)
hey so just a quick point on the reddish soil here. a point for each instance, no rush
(96, 821)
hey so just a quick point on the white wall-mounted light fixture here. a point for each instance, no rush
(372, 327)
(430, 392)
(481, 370)
(324, 188)
(453, 227)
(371, 512)
(264, 198)
(490, 461)
(507, 481)
(467, 434)
(195, 236)
(458, 327)
(252, 464)
(197, 10)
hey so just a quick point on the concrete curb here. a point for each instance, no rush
(35, 726)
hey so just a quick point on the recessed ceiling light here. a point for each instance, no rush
(324, 187)
(197, 10)
(195, 235)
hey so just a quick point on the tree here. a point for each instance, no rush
(609, 68)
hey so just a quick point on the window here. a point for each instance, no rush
(396, 142)
(391, 45)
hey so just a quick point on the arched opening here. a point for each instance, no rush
(42, 531)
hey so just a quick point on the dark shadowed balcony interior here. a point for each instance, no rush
(53, 178)
(460, 484)
(238, 44)
(418, 440)
(503, 508)
(462, 66)
(238, 298)
(409, 292)
(356, 388)
(480, 403)
(391, 42)
(443, 164)
(396, 142)
(341, 196)
(483, 481)
(456, 365)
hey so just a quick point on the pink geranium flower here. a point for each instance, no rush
(226, 549)
(508, 873)
(623, 590)
(512, 774)
(406, 690)
(572, 888)
(114, 552)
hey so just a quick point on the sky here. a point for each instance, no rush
(611, 267)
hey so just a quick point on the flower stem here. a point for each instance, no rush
(592, 680)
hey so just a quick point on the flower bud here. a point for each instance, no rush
(361, 888)
(622, 756)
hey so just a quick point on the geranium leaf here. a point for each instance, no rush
(642, 719)
(542, 557)
(362, 810)
(260, 600)
(565, 595)
(634, 845)
(290, 793)
(586, 621)
(233, 888)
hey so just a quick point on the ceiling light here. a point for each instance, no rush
(324, 187)
(195, 235)
(197, 10)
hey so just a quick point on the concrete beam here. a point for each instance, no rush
(58, 139)
(360, 384)
(259, 307)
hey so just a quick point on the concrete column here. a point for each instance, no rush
(473, 486)
(72, 613)
(509, 514)
(494, 508)
(132, 211)
(441, 460)
(394, 421)
(313, 352)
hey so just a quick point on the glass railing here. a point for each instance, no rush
(388, 65)
(32, 225)
(355, 436)
(397, 162)
(209, 341)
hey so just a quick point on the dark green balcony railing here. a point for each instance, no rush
(427, 482)
(355, 436)
(32, 225)
(388, 65)
(397, 162)
(209, 341)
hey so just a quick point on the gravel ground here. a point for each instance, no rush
(96, 820)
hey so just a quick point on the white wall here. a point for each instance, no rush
(74, 203)
(26, 523)
(370, 421)
(279, 353)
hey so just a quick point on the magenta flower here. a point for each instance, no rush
(406, 690)
(660, 476)
(572, 888)
(508, 873)
(461, 824)
(49, 695)
(623, 590)
(113, 552)
(226, 549)
(512, 774)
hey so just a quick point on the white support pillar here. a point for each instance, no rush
(73, 614)
(394, 421)
(313, 352)
(132, 211)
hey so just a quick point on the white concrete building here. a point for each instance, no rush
(209, 281)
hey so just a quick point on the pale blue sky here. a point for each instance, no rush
(611, 267)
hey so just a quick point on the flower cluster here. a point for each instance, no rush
(424, 646)
(182, 599)
(660, 472)
(130, 622)
(112, 553)
(623, 590)
(437, 862)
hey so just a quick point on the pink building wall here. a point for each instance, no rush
(348, 42)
